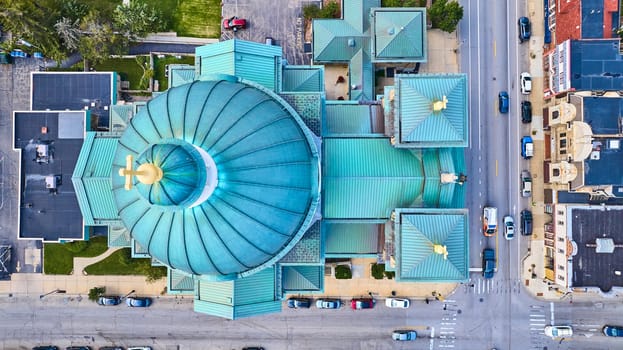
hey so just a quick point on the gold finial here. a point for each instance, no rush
(146, 173)
(441, 249)
(439, 105)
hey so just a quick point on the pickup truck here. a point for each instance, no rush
(488, 263)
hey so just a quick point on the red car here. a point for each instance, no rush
(234, 23)
(362, 303)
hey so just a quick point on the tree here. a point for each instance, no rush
(137, 19)
(69, 32)
(445, 15)
(95, 292)
(99, 41)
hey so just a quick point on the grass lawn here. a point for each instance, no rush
(121, 263)
(159, 64)
(128, 68)
(196, 18)
(58, 257)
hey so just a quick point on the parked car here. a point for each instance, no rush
(397, 303)
(45, 347)
(111, 348)
(138, 301)
(558, 331)
(78, 348)
(109, 300)
(299, 303)
(253, 348)
(613, 331)
(524, 28)
(234, 23)
(527, 147)
(503, 102)
(526, 183)
(404, 335)
(362, 303)
(526, 112)
(509, 227)
(525, 82)
(139, 348)
(526, 222)
(488, 263)
(328, 303)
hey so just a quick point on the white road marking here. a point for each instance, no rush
(551, 309)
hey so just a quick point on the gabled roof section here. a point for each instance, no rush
(303, 79)
(179, 282)
(308, 250)
(119, 236)
(417, 231)
(399, 35)
(349, 118)
(250, 296)
(180, 74)
(344, 239)
(91, 178)
(366, 178)
(253, 61)
(302, 278)
(120, 116)
(429, 110)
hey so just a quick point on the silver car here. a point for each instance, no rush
(509, 227)
(404, 335)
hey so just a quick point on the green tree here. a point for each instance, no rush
(69, 32)
(95, 292)
(99, 41)
(445, 15)
(311, 11)
(137, 19)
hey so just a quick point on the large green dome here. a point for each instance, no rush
(240, 180)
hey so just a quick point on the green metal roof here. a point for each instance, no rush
(180, 74)
(305, 278)
(309, 105)
(399, 35)
(348, 40)
(118, 235)
(252, 61)
(245, 297)
(267, 172)
(308, 250)
(368, 178)
(348, 118)
(417, 230)
(91, 179)
(303, 79)
(120, 116)
(347, 239)
(179, 282)
(416, 123)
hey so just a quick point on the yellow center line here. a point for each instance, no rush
(494, 48)
(496, 167)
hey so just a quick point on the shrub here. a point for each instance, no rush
(95, 292)
(77, 246)
(390, 274)
(377, 271)
(342, 272)
(330, 10)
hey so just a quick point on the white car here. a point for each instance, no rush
(509, 227)
(526, 83)
(397, 303)
(558, 331)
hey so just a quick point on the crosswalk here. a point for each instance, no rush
(537, 322)
(481, 286)
(447, 333)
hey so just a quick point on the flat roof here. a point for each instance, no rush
(596, 65)
(49, 146)
(604, 114)
(603, 166)
(76, 91)
(592, 269)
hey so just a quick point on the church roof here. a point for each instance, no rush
(265, 169)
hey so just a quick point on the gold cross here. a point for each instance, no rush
(147, 173)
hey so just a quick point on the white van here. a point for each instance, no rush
(490, 221)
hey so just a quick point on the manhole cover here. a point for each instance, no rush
(481, 300)
(459, 311)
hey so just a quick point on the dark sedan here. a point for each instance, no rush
(299, 303)
(613, 331)
(109, 300)
(138, 301)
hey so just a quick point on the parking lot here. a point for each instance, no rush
(281, 20)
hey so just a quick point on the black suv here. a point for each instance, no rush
(524, 29)
(299, 303)
(526, 222)
(526, 112)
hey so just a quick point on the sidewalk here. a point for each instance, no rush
(78, 283)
